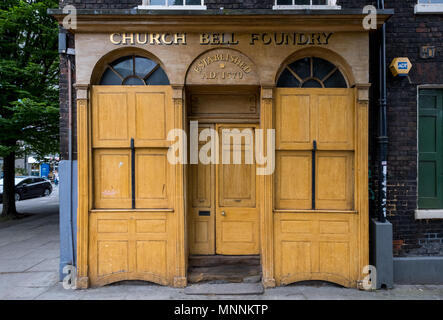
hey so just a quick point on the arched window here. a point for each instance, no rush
(311, 72)
(134, 71)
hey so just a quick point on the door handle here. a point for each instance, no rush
(223, 213)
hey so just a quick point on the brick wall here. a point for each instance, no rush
(406, 33)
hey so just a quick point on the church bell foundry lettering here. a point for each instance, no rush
(231, 39)
(148, 38)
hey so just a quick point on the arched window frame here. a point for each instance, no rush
(302, 81)
(135, 74)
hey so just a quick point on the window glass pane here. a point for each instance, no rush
(287, 80)
(133, 81)
(302, 2)
(311, 84)
(175, 2)
(302, 68)
(110, 79)
(322, 68)
(193, 2)
(319, 2)
(336, 81)
(159, 78)
(124, 66)
(284, 2)
(157, 2)
(143, 66)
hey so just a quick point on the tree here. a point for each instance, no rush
(28, 86)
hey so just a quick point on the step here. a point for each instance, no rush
(219, 260)
(225, 289)
(229, 273)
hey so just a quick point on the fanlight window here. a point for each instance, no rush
(311, 73)
(134, 71)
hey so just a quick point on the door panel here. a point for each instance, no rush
(237, 227)
(120, 113)
(112, 179)
(335, 122)
(154, 179)
(112, 115)
(202, 205)
(335, 180)
(294, 112)
(293, 180)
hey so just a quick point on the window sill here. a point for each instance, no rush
(142, 7)
(428, 8)
(428, 214)
(306, 7)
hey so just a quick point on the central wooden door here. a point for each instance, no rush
(224, 211)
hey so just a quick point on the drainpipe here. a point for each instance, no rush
(382, 138)
(71, 216)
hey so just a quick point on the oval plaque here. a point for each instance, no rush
(222, 66)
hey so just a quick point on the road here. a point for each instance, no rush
(41, 205)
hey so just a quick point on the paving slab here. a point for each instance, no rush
(225, 289)
(19, 265)
(47, 265)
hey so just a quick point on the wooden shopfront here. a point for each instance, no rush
(303, 79)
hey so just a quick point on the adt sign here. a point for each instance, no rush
(400, 67)
(403, 66)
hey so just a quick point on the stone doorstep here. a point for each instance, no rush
(225, 289)
(229, 273)
(219, 260)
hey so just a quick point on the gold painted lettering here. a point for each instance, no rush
(266, 39)
(215, 38)
(180, 37)
(140, 41)
(164, 39)
(126, 37)
(327, 36)
(302, 39)
(254, 37)
(205, 39)
(155, 37)
(112, 38)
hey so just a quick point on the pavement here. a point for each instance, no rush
(29, 261)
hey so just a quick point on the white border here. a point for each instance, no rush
(146, 6)
(185, 7)
(428, 214)
(305, 7)
(431, 8)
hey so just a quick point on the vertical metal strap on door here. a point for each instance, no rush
(133, 172)
(314, 150)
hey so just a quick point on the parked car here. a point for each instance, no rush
(29, 187)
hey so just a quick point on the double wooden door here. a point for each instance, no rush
(223, 211)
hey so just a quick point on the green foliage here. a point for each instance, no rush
(28, 77)
(28, 86)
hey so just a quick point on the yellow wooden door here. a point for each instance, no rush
(317, 210)
(237, 216)
(133, 212)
